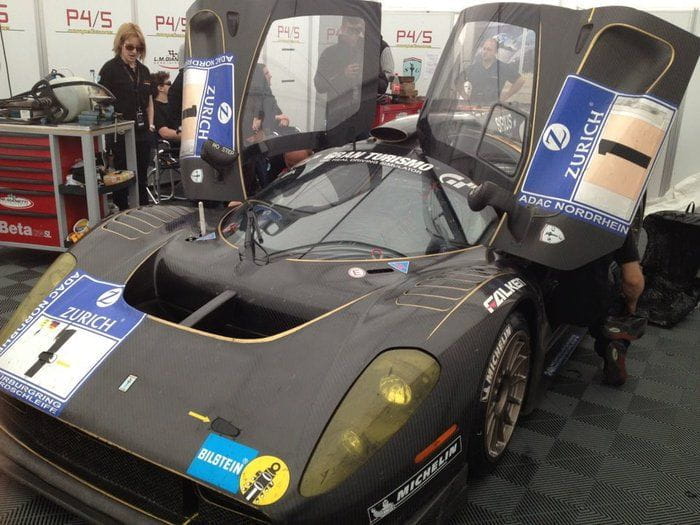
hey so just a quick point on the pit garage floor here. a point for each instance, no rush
(590, 454)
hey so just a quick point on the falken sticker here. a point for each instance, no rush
(400, 266)
(550, 234)
(500, 296)
(265, 480)
(64, 340)
(401, 494)
(595, 154)
(220, 461)
(207, 105)
(16, 203)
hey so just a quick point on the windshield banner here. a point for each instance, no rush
(595, 154)
(208, 104)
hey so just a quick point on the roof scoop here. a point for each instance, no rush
(397, 130)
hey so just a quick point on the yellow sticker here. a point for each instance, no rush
(264, 480)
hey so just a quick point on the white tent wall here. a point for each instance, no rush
(75, 37)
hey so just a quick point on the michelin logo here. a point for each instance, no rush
(397, 497)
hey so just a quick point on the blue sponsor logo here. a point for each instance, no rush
(220, 462)
(558, 177)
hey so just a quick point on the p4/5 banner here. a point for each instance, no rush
(208, 104)
(595, 154)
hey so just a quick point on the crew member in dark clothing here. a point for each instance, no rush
(160, 85)
(339, 72)
(585, 297)
(128, 80)
(488, 76)
(175, 92)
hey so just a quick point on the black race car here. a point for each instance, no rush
(354, 340)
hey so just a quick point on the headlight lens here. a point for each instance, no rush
(58, 271)
(380, 402)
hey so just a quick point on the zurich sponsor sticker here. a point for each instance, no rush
(221, 461)
(592, 134)
(400, 266)
(64, 340)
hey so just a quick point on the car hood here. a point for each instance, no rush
(273, 393)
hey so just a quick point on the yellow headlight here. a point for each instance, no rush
(380, 402)
(58, 271)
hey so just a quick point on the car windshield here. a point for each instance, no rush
(359, 205)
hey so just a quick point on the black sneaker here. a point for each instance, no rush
(628, 327)
(614, 370)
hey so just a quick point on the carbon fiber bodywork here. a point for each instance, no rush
(269, 366)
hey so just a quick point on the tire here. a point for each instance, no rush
(500, 396)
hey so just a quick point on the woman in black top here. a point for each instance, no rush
(128, 80)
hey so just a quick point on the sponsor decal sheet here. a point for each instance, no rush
(595, 154)
(207, 104)
(67, 336)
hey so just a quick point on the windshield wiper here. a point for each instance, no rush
(252, 228)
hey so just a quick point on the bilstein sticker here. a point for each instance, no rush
(401, 494)
(220, 461)
(265, 480)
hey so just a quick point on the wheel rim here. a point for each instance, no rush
(507, 394)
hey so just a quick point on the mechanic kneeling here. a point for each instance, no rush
(586, 297)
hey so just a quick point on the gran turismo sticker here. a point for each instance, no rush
(64, 340)
(220, 461)
(401, 266)
(550, 234)
(500, 296)
(356, 273)
(594, 157)
(383, 159)
(411, 486)
(265, 480)
(492, 365)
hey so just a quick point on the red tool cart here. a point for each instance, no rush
(389, 112)
(37, 208)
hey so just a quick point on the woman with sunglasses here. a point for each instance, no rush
(128, 80)
(160, 86)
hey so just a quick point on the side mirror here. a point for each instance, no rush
(490, 194)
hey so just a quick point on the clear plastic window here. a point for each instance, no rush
(481, 103)
(308, 77)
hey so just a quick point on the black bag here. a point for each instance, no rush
(671, 263)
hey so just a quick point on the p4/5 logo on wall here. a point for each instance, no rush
(500, 296)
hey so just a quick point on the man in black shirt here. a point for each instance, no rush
(488, 77)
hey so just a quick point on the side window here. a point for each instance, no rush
(502, 143)
(308, 77)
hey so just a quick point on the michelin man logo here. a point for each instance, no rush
(225, 113)
(556, 137)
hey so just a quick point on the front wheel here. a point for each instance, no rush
(501, 395)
